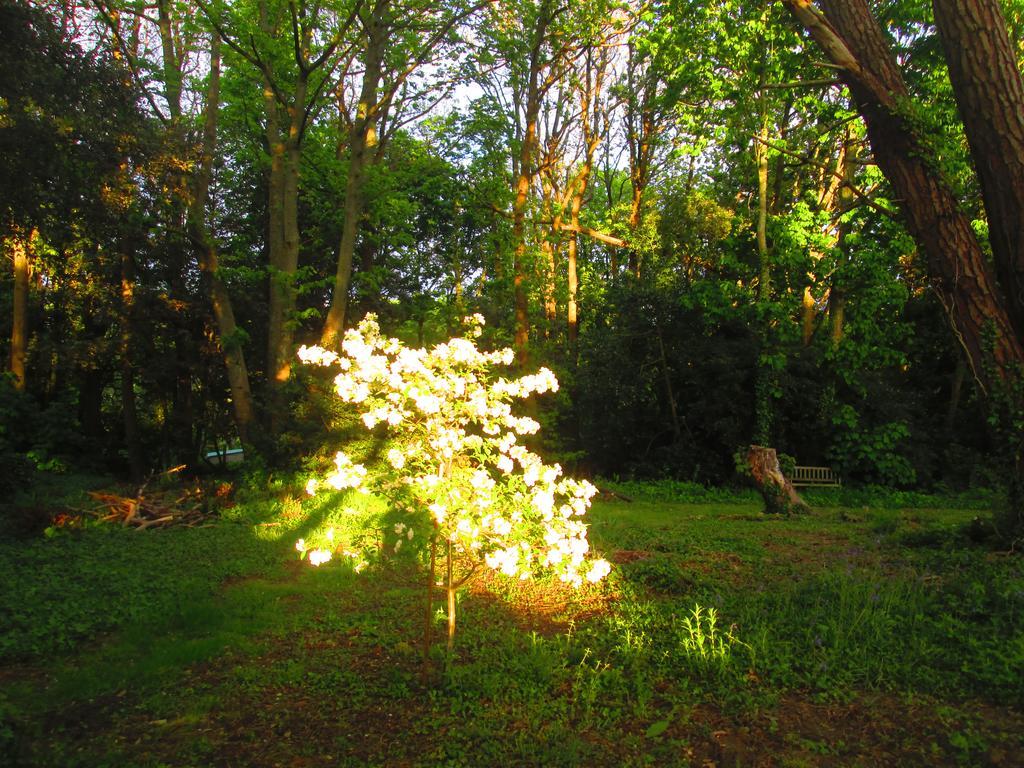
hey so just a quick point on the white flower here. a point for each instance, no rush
(300, 545)
(311, 485)
(318, 557)
(544, 502)
(399, 528)
(530, 475)
(316, 355)
(439, 513)
(598, 571)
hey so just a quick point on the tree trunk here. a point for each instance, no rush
(19, 247)
(527, 171)
(278, 300)
(845, 200)
(764, 377)
(228, 332)
(764, 264)
(780, 498)
(591, 112)
(362, 142)
(428, 616)
(985, 314)
(170, 56)
(673, 410)
(956, 388)
(837, 314)
(450, 585)
(959, 271)
(185, 349)
(283, 234)
(547, 249)
(571, 311)
(284, 244)
(990, 94)
(641, 130)
(129, 412)
(808, 312)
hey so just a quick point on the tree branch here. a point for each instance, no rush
(843, 182)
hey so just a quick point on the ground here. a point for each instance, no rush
(842, 638)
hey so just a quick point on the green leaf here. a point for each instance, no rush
(657, 728)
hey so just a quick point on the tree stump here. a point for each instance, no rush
(780, 497)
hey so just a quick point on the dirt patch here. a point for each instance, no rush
(545, 607)
(873, 729)
(623, 556)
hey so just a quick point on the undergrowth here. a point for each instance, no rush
(709, 605)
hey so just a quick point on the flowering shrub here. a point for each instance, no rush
(457, 468)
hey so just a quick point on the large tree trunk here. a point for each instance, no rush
(548, 249)
(990, 94)
(780, 497)
(984, 314)
(764, 377)
(283, 235)
(959, 271)
(19, 248)
(278, 300)
(185, 350)
(209, 261)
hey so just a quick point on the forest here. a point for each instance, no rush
(400, 289)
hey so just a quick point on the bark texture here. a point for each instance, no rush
(362, 143)
(988, 87)
(960, 274)
(780, 498)
(990, 94)
(209, 260)
(527, 170)
(18, 247)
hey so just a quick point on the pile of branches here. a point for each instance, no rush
(185, 506)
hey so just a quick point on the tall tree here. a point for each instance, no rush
(294, 49)
(209, 259)
(987, 83)
(399, 39)
(982, 303)
(69, 128)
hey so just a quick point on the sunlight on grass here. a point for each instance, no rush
(709, 605)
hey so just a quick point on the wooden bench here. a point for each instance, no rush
(226, 456)
(818, 477)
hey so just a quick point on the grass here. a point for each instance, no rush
(847, 637)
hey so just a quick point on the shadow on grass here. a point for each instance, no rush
(226, 650)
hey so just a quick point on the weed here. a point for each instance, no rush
(702, 642)
(712, 613)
